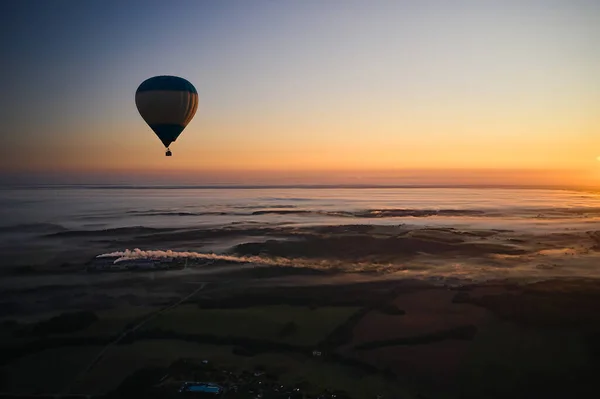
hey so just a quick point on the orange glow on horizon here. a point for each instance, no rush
(430, 176)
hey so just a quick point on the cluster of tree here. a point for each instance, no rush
(459, 333)
(266, 272)
(358, 294)
(245, 346)
(252, 300)
(343, 333)
(390, 309)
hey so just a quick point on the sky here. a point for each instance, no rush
(312, 90)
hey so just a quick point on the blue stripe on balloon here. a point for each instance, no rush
(170, 83)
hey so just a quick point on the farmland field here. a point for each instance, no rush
(265, 322)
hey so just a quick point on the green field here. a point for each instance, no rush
(265, 322)
(51, 370)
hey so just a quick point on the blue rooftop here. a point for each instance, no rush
(200, 387)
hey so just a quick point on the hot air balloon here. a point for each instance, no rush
(167, 104)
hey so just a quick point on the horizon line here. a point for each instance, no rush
(293, 186)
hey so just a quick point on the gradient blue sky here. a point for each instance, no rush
(338, 85)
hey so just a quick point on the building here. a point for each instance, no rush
(200, 387)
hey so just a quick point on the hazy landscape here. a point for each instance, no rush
(402, 292)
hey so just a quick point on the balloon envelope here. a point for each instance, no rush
(167, 104)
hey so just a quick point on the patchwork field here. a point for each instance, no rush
(490, 340)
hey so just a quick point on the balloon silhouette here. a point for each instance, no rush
(167, 104)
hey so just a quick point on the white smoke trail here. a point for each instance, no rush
(423, 269)
(322, 264)
(140, 254)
